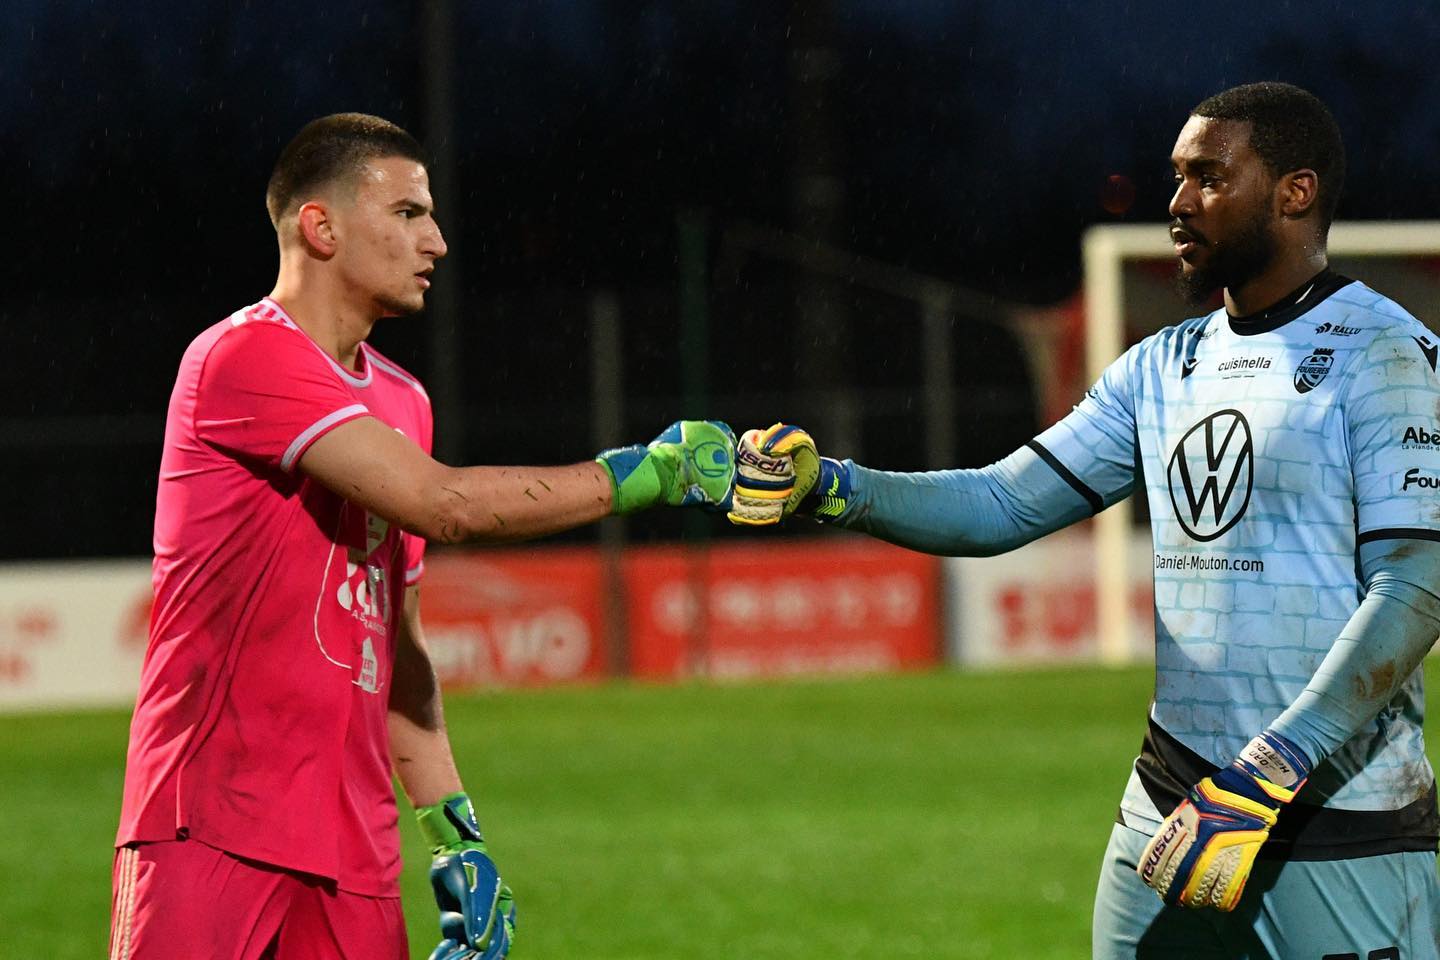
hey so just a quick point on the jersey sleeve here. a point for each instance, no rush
(1073, 470)
(1093, 448)
(265, 395)
(1392, 414)
(1379, 648)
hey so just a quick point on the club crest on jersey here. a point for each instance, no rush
(1314, 369)
(1211, 474)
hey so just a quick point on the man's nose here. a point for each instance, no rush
(1182, 202)
(435, 247)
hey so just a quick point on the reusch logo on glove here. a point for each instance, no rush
(1157, 850)
(750, 457)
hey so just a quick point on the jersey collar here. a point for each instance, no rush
(353, 377)
(1297, 303)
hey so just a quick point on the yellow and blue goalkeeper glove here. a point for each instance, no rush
(1202, 854)
(477, 909)
(692, 463)
(779, 472)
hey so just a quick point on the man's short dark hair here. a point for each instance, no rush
(332, 148)
(1291, 129)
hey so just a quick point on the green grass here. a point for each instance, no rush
(938, 815)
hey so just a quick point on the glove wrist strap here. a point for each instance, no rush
(450, 824)
(1277, 759)
(831, 494)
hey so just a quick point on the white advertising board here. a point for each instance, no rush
(1037, 604)
(72, 634)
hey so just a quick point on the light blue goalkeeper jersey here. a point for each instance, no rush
(1271, 449)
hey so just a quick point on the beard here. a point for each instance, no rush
(1231, 263)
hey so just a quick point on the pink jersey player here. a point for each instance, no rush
(287, 676)
(299, 610)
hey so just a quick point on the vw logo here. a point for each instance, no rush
(1212, 471)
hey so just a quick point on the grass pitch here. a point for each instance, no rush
(937, 815)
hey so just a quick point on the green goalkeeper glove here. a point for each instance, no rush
(477, 909)
(692, 463)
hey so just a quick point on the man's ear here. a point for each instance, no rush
(1298, 191)
(317, 228)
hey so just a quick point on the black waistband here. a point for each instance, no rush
(1168, 769)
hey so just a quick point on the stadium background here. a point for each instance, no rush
(745, 210)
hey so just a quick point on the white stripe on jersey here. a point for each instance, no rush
(311, 432)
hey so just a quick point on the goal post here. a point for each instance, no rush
(1110, 252)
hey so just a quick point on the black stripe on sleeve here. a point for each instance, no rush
(1091, 497)
(1398, 533)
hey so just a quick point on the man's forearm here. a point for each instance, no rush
(419, 745)
(1377, 651)
(973, 513)
(499, 504)
(422, 760)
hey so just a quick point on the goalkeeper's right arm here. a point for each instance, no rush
(963, 513)
(952, 512)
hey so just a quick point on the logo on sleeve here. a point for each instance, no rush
(1430, 348)
(1420, 438)
(1314, 369)
(1414, 478)
(1211, 473)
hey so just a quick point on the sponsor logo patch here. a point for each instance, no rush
(1242, 366)
(1314, 369)
(1211, 474)
(1420, 438)
(1414, 478)
(1337, 330)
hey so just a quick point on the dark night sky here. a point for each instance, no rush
(971, 139)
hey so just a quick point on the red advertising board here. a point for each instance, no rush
(771, 609)
(514, 617)
(536, 616)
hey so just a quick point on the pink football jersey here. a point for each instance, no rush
(260, 727)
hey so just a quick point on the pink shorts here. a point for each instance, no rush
(183, 899)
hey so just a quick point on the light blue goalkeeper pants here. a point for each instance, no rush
(1371, 908)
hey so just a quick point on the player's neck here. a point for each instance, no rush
(337, 326)
(1284, 277)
